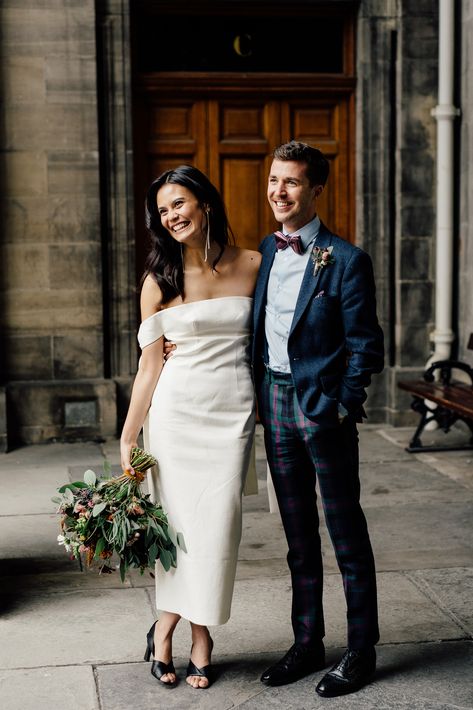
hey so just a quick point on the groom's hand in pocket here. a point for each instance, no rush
(168, 349)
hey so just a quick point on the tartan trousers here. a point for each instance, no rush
(298, 456)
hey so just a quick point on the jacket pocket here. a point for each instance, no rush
(330, 385)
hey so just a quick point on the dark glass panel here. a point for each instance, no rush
(239, 44)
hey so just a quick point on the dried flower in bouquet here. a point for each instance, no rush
(102, 516)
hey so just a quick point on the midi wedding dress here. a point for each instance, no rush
(200, 428)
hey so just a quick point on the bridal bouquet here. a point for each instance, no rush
(102, 516)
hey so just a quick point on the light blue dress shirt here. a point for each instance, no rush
(284, 285)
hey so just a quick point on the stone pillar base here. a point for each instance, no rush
(63, 410)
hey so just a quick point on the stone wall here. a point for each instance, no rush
(465, 250)
(51, 276)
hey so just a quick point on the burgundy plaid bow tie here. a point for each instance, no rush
(282, 242)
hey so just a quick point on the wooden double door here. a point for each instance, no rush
(229, 92)
(231, 139)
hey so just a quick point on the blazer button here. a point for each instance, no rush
(296, 358)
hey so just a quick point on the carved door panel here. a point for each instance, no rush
(242, 134)
(167, 134)
(325, 123)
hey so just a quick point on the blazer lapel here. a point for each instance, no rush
(310, 281)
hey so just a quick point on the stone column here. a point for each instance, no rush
(51, 279)
(415, 197)
(375, 162)
(121, 298)
(397, 70)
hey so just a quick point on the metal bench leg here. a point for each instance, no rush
(418, 405)
(415, 443)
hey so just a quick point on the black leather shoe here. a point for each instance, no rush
(298, 662)
(352, 672)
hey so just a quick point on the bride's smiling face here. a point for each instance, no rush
(181, 214)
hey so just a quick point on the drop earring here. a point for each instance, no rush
(207, 240)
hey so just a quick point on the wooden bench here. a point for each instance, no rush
(454, 402)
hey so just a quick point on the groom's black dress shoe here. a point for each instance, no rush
(298, 662)
(351, 673)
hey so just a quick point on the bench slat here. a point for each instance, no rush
(457, 397)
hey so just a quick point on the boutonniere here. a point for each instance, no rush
(321, 257)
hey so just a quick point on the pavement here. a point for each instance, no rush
(75, 640)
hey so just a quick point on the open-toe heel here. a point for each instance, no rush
(205, 672)
(158, 668)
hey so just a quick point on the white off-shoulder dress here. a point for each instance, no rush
(200, 428)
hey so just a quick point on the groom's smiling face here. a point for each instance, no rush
(290, 194)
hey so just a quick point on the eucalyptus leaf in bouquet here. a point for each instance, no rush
(101, 516)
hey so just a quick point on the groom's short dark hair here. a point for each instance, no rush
(317, 164)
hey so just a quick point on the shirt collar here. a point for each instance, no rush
(308, 232)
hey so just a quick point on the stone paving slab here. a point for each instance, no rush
(71, 687)
(263, 537)
(74, 628)
(376, 448)
(458, 435)
(424, 528)
(132, 686)
(65, 581)
(424, 558)
(452, 589)
(30, 536)
(457, 465)
(30, 490)
(407, 615)
(418, 676)
(396, 483)
(254, 569)
(51, 455)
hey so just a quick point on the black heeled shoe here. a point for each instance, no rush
(158, 668)
(205, 672)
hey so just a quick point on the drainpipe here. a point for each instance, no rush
(445, 114)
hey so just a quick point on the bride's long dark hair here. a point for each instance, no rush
(164, 262)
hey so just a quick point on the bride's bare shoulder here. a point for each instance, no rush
(151, 297)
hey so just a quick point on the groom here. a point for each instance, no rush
(316, 344)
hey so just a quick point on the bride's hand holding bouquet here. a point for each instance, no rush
(102, 516)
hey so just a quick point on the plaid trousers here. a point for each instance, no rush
(298, 456)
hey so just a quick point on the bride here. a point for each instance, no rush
(198, 412)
